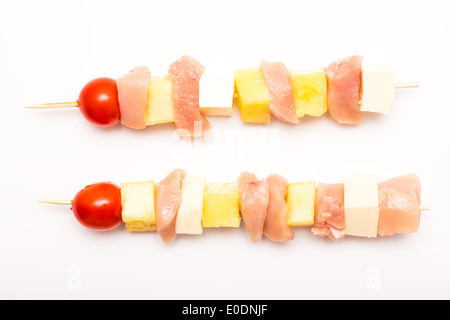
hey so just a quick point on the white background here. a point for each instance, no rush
(50, 49)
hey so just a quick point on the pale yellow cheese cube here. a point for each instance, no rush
(138, 205)
(300, 201)
(221, 205)
(361, 205)
(378, 86)
(216, 95)
(160, 108)
(310, 92)
(190, 212)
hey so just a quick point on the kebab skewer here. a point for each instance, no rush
(346, 89)
(185, 204)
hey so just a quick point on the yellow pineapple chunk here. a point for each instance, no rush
(221, 205)
(160, 107)
(252, 95)
(300, 201)
(310, 92)
(138, 205)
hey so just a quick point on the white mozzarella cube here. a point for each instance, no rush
(189, 216)
(216, 95)
(361, 205)
(378, 86)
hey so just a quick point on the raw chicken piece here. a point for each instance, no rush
(132, 89)
(275, 226)
(254, 200)
(279, 82)
(185, 75)
(399, 202)
(168, 199)
(344, 90)
(329, 207)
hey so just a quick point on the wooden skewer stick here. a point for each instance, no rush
(54, 105)
(405, 85)
(398, 85)
(69, 202)
(58, 202)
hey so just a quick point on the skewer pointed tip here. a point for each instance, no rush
(53, 105)
(58, 202)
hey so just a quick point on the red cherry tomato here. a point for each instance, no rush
(99, 102)
(98, 206)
